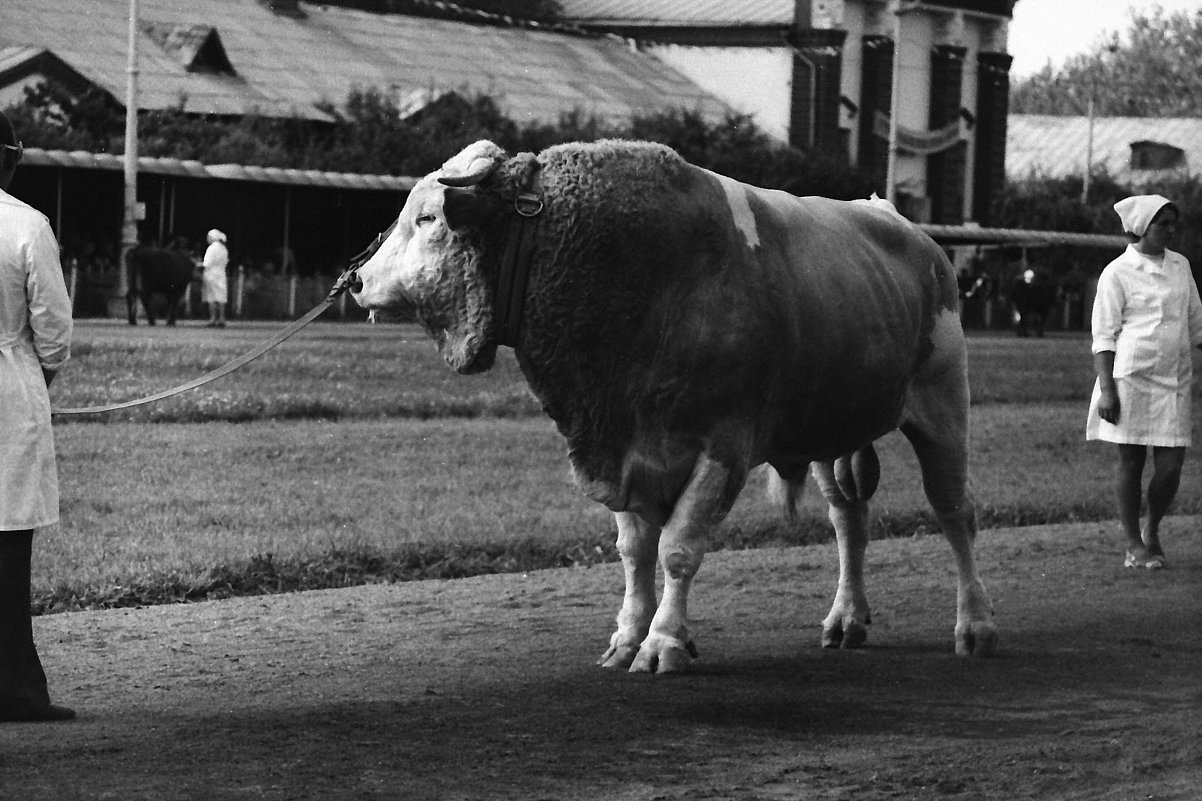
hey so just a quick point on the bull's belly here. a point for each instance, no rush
(806, 432)
(807, 445)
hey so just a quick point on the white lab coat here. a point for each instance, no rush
(35, 333)
(1150, 315)
(214, 287)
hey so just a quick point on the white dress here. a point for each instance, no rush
(35, 333)
(213, 288)
(1150, 316)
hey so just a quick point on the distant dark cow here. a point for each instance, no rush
(157, 271)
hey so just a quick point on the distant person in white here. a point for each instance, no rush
(1146, 319)
(213, 289)
(35, 341)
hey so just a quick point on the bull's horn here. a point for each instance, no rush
(477, 171)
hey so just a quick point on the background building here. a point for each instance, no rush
(1139, 151)
(825, 74)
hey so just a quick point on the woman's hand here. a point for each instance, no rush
(1108, 405)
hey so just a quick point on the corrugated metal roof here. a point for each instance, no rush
(700, 13)
(287, 66)
(233, 172)
(1055, 147)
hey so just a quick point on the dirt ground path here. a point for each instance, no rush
(485, 688)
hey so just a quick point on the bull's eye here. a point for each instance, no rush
(424, 219)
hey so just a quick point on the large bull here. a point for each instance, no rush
(682, 328)
(157, 271)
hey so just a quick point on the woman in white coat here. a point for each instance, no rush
(35, 341)
(213, 289)
(1147, 317)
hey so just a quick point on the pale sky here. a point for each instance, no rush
(1055, 30)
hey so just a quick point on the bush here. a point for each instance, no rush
(372, 134)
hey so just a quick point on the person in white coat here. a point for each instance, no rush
(1147, 317)
(35, 341)
(213, 289)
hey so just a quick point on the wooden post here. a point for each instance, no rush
(240, 291)
(71, 286)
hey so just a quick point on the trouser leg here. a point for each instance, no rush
(21, 674)
(23, 693)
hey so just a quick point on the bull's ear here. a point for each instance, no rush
(464, 208)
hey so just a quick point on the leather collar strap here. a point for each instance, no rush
(514, 270)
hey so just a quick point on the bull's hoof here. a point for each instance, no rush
(662, 660)
(618, 656)
(978, 639)
(853, 635)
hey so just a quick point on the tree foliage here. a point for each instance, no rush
(1152, 71)
(371, 134)
(53, 118)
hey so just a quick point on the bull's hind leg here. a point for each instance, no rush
(637, 544)
(936, 424)
(848, 483)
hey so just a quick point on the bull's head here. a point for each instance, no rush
(432, 260)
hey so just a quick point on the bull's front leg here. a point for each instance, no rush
(637, 542)
(668, 647)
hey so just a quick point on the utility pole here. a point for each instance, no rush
(1088, 146)
(899, 7)
(129, 229)
(894, 102)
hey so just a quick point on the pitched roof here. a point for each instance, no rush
(723, 13)
(282, 65)
(235, 172)
(699, 13)
(1055, 147)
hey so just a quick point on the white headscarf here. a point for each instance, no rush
(216, 236)
(1138, 211)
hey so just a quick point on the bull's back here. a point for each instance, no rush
(854, 292)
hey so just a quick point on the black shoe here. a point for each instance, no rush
(30, 713)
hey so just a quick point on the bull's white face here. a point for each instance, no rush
(410, 267)
(429, 267)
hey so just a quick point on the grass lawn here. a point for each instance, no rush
(400, 469)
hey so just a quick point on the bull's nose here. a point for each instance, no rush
(355, 283)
